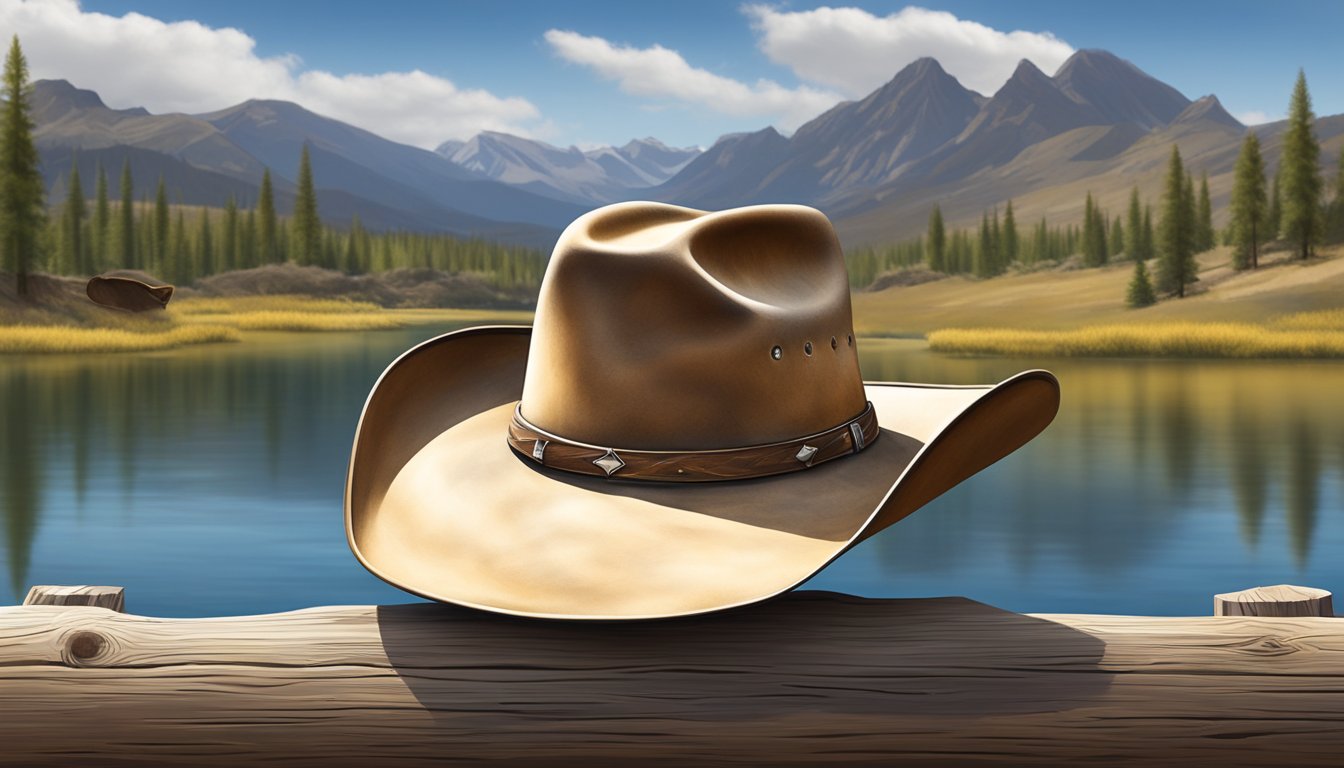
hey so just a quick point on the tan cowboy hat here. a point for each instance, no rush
(126, 293)
(683, 429)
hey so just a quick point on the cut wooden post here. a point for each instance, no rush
(112, 598)
(1278, 600)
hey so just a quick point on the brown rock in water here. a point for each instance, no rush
(127, 294)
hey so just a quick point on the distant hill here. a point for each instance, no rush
(730, 173)
(206, 158)
(592, 177)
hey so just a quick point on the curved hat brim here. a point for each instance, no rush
(438, 504)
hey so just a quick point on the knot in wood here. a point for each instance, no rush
(1269, 645)
(84, 646)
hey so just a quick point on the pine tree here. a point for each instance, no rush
(354, 248)
(102, 222)
(248, 240)
(205, 243)
(1274, 216)
(228, 255)
(1090, 256)
(73, 245)
(1134, 226)
(996, 260)
(1115, 243)
(1149, 250)
(1334, 214)
(936, 252)
(984, 253)
(1010, 239)
(1094, 233)
(177, 243)
(267, 223)
(1249, 209)
(126, 214)
(144, 233)
(1140, 293)
(1099, 233)
(1176, 268)
(161, 255)
(1301, 175)
(1040, 246)
(22, 191)
(1204, 218)
(307, 226)
(1192, 212)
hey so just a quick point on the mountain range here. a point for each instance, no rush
(205, 158)
(593, 177)
(876, 165)
(923, 137)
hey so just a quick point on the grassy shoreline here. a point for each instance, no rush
(56, 339)
(1304, 335)
(211, 320)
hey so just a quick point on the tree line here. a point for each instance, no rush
(181, 244)
(1000, 243)
(1292, 209)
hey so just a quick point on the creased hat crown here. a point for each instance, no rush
(667, 328)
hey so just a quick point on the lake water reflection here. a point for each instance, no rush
(208, 481)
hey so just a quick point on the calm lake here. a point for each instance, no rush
(208, 481)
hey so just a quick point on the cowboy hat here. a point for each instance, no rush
(127, 293)
(683, 428)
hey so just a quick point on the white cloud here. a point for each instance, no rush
(185, 66)
(659, 72)
(856, 52)
(1256, 117)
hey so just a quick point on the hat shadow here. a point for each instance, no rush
(804, 657)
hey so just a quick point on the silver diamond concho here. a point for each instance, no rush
(805, 454)
(609, 462)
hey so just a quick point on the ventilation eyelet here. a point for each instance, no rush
(807, 348)
(776, 352)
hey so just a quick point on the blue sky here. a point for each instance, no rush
(685, 72)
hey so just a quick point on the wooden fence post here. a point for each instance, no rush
(1279, 600)
(113, 598)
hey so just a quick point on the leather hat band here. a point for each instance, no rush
(693, 466)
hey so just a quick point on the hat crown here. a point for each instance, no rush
(666, 328)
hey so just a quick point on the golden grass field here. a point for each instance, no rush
(205, 320)
(1180, 339)
(21, 339)
(284, 313)
(1286, 308)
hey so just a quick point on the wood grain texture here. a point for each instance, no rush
(1278, 600)
(810, 678)
(111, 598)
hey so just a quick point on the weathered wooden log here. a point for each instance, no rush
(111, 598)
(1279, 600)
(809, 678)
